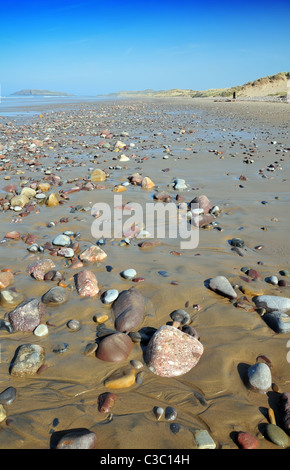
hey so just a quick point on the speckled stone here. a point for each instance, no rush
(171, 353)
(277, 435)
(27, 315)
(39, 268)
(86, 283)
(28, 359)
(93, 254)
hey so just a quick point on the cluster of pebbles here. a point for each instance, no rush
(40, 160)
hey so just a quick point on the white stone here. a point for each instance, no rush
(41, 330)
(109, 296)
(204, 440)
(128, 273)
(272, 303)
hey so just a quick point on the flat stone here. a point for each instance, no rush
(62, 240)
(171, 353)
(56, 295)
(277, 435)
(93, 254)
(78, 439)
(129, 310)
(203, 440)
(27, 315)
(272, 303)
(121, 379)
(29, 358)
(87, 283)
(260, 377)
(222, 286)
(114, 348)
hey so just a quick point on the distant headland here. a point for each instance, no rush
(39, 93)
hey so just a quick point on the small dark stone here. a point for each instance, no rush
(60, 348)
(175, 428)
(8, 396)
(170, 413)
(163, 273)
(237, 242)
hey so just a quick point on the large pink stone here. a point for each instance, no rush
(39, 268)
(171, 352)
(93, 254)
(86, 283)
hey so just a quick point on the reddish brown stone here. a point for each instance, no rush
(6, 278)
(13, 235)
(115, 348)
(106, 402)
(247, 441)
(87, 284)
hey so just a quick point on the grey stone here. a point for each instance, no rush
(278, 321)
(62, 240)
(28, 359)
(27, 315)
(260, 377)
(222, 286)
(56, 295)
(272, 303)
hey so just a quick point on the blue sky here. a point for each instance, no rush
(93, 47)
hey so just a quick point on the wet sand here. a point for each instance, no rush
(211, 144)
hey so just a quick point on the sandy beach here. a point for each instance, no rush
(234, 152)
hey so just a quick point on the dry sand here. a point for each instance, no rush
(228, 139)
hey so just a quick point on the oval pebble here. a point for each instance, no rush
(128, 274)
(247, 441)
(180, 316)
(8, 396)
(73, 325)
(158, 412)
(277, 435)
(41, 330)
(109, 296)
(259, 376)
(175, 428)
(60, 348)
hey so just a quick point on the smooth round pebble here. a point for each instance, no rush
(158, 412)
(74, 325)
(109, 296)
(259, 376)
(41, 330)
(170, 413)
(8, 396)
(129, 273)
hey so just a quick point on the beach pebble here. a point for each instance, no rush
(106, 402)
(136, 364)
(129, 310)
(158, 412)
(272, 280)
(114, 348)
(5, 279)
(277, 435)
(27, 315)
(29, 358)
(2, 413)
(41, 330)
(180, 316)
(60, 348)
(260, 377)
(147, 183)
(171, 353)
(272, 303)
(202, 202)
(8, 396)
(278, 321)
(284, 272)
(56, 295)
(90, 349)
(247, 441)
(109, 296)
(170, 413)
(179, 184)
(98, 175)
(77, 439)
(121, 379)
(93, 254)
(237, 242)
(38, 268)
(52, 200)
(203, 439)
(128, 273)
(74, 325)
(284, 403)
(222, 286)
(87, 284)
(62, 240)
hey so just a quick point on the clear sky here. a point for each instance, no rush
(103, 46)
